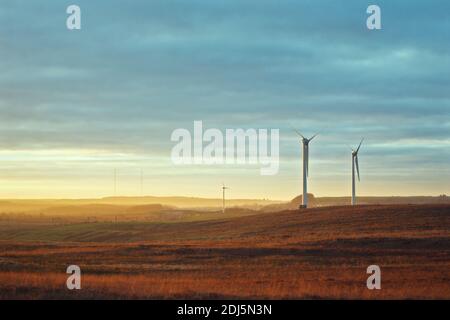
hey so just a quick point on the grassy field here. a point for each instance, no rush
(314, 253)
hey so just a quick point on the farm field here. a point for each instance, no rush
(319, 253)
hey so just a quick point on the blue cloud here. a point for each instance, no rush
(137, 71)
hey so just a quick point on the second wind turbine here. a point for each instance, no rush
(355, 164)
(223, 197)
(305, 143)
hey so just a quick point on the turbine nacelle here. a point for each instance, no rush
(306, 141)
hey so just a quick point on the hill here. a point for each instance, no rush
(31, 206)
(345, 201)
(315, 224)
(292, 254)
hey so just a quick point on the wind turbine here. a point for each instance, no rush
(305, 154)
(355, 164)
(223, 197)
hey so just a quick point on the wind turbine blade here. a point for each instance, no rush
(313, 137)
(296, 131)
(357, 166)
(360, 144)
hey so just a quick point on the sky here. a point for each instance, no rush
(76, 105)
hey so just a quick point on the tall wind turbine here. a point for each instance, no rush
(223, 197)
(355, 164)
(305, 155)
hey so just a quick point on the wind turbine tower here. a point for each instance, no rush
(355, 164)
(305, 154)
(223, 197)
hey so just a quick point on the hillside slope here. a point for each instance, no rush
(413, 221)
(315, 253)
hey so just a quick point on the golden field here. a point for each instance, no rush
(315, 253)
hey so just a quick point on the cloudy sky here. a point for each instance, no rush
(75, 105)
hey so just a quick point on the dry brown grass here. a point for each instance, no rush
(333, 283)
(321, 253)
